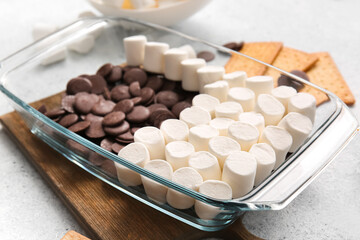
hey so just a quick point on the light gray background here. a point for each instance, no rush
(328, 209)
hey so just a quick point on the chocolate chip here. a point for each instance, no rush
(168, 98)
(106, 94)
(138, 115)
(206, 55)
(96, 159)
(69, 120)
(114, 131)
(98, 84)
(160, 115)
(106, 144)
(104, 70)
(77, 85)
(234, 45)
(155, 82)
(125, 137)
(120, 92)
(146, 95)
(134, 129)
(115, 74)
(42, 109)
(177, 108)
(168, 85)
(135, 74)
(125, 105)
(287, 81)
(135, 89)
(95, 130)
(109, 167)
(136, 100)
(93, 118)
(57, 112)
(67, 103)
(79, 126)
(240, 45)
(113, 119)
(116, 147)
(156, 106)
(103, 107)
(84, 102)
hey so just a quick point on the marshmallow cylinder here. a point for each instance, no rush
(244, 133)
(190, 81)
(153, 139)
(54, 56)
(209, 74)
(221, 147)
(207, 102)
(253, 118)
(135, 50)
(41, 30)
(260, 84)
(244, 96)
(283, 94)
(303, 103)
(189, 49)
(174, 130)
(172, 63)
(270, 108)
(206, 164)
(265, 158)
(235, 79)
(218, 89)
(177, 153)
(194, 116)
(82, 45)
(221, 124)
(200, 135)
(154, 56)
(230, 110)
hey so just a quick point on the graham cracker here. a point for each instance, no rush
(263, 51)
(72, 235)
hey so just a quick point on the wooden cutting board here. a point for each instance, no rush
(103, 211)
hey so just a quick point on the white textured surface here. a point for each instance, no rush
(328, 209)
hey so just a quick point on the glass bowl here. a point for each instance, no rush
(24, 80)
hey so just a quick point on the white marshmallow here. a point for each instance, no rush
(135, 50)
(207, 102)
(153, 189)
(244, 96)
(244, 133)
(235, 79)
(177, 153)
(195, 116)
(303, 103)
(270, 108)
(206, 164)
(82, 45)
(141, 4)
(136, 153)
(253, 118)
(190, 81)
(188, 177)
(239, 172)
(218, 89)
(260, 84)
(221, 124)
(265, 158)
(154, 56)
(172, 63)
(41, 30)
(153, 139)
(230, 110)
(283, 94)
(54, 56)
(189, 49)
(279, 139)
(221, 147)
(174, 130)
(200, 135)
(209, 74)
(214, 189)
(299, 126)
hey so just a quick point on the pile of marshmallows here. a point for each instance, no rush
(238, 130)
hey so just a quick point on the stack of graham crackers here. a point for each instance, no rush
(320, 67)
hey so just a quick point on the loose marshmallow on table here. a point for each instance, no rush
(207, 102)
(283, 94)
(187, 177)
(235, 79)
(54, 56)
(174, 130)
(190, 81)
(265, 158)
(209, 74)
(218, 89)
(195, 116)
(260, 84)
(221, 147)
(244, 133)
(141, 4)
(177, 153)
(303, 103)
(299, 126)
(41, 30)
(83, 45)
(153, 139)
(214, 189)
(253, 118)
(200, 135)
(189, 49)
(153, 189)
(239, 172)
(136, 153)
(244, 96)
(279, 139)
(135, 50)
(172, 63)
(206, 164)
(270, 108)
(154, 56)
(221, 124)
(230, 110)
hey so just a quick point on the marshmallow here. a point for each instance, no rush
(153, 139)
(172, 63)
(218, 89)
(303, 103)
(270, 108)
(260, 84)
(279, 139)
(299, 126)
(206, 164)
(82, 45)
(214, 189)
(154, 56)
(283, 94)
(244, 96)
(177, 153)
(41, 30)
(135, 50)
(141, 4)
(209, 74)
(190, 81)
(265, 158)
(207, 102)
(189, 49)
(244, 133)
(54, 56)
(174, 130)
(188, 177)
(116, 3)
(221, 124)
(195, 116)
(136, 153)
(221, 147)
(239, 172)
(86, 14)
(153, 189)
(235, 79)
(200, 135)
(253, 118)
(230, 110)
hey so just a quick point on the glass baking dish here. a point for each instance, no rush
(25, 80)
